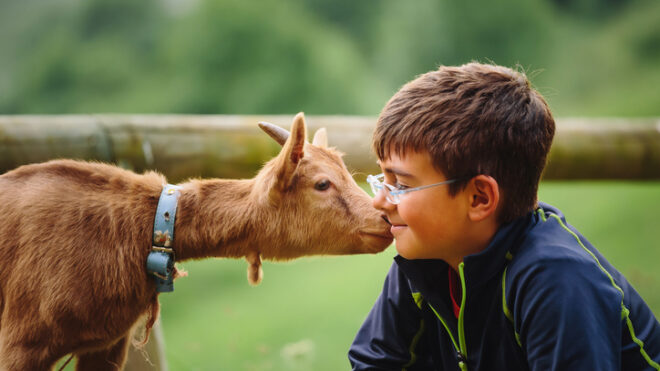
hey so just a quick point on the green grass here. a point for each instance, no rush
(305, 313)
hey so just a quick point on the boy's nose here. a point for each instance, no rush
(380, 202)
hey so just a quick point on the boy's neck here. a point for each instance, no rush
(483, 233)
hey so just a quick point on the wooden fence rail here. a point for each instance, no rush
(183, 146)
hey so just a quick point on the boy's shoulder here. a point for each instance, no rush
(550, 237)
(553, 252)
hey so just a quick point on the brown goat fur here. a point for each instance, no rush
(74, 239)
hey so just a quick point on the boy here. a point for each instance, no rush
(487, 278)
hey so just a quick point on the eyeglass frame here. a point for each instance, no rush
(393, 195)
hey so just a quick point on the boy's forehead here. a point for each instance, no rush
(396, 153)
(409, 163)
(405, 155)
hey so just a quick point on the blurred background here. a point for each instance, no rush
(589, 58)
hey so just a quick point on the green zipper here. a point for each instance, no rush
(461, 347)
(461, 331)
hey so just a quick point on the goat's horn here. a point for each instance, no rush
(280, 135)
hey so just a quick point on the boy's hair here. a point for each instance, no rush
(473, 119)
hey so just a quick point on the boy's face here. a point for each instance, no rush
(428, 223)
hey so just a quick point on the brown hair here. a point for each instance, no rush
(473, 119)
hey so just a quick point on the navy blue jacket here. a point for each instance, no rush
(539, 297)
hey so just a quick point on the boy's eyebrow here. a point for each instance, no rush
(398, 172)
(395, 171)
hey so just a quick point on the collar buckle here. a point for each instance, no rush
(160, 264)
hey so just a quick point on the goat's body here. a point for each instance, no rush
(74, 238)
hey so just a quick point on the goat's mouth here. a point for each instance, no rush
(385, 235)
(377, 240)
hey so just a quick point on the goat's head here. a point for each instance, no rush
(316, 208)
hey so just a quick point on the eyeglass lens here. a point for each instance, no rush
(377, 184)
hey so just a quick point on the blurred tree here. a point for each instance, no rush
(320, 56)
(414, 40)
(234, 57)
(593, 9)
(356, 18)
(223, 57)
(85, 57)
(610, 68)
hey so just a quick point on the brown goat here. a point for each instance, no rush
(74, 239)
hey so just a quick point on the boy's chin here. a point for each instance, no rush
(413, 252)
(407, 251)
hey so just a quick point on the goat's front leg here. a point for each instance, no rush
(19, 358)
(16, 354)
(112, 358)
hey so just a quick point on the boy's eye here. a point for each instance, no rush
(400, 186)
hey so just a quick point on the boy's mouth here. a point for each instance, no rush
(395, 228)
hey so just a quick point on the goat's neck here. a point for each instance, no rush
(215, 218)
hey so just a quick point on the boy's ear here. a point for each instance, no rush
(484, 194)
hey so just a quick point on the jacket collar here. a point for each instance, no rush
(482, 266)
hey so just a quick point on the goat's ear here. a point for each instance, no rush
(292, 152)
(320, 138)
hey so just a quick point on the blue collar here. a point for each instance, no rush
(160, 261)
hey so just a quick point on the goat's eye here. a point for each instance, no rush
(322, 185)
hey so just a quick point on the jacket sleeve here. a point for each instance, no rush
(390, 337)
(568, 315)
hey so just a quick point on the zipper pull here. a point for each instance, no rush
(461, 361)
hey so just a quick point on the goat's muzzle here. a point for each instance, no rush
(376, 241)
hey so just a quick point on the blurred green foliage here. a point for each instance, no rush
(588, 57)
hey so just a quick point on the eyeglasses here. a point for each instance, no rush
(393, 195)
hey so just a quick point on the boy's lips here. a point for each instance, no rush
(397, 227)
(394, 226)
